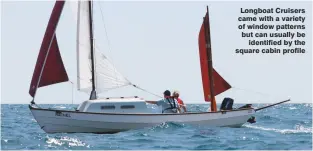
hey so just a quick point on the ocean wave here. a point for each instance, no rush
(269, 117)
(166, 125)
(21, 131)
(64, 141)
(298, 129)
(292, 108)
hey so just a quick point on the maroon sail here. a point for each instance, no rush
(49, 67)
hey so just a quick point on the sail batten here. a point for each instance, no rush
(213, 84)
(49, 67)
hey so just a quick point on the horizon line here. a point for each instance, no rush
(184, 103)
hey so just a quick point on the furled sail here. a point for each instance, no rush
(49, 67)
(213, 84)
(106, 75)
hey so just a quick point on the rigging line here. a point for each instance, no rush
(145, 90)
(261, 93)
(72, 92)
(109, 45)
(106, 34)
(105, 29)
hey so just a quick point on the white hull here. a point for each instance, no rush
(62, 121)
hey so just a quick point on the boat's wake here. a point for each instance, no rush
(298, 129)
(167, 125)
(64, 141)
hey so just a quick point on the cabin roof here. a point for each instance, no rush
(117, 99)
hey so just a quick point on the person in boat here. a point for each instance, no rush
(180, 102)
(168, 104)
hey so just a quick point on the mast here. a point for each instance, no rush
(209, 56)
(93, 94)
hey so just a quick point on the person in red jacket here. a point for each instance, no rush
(180, 102)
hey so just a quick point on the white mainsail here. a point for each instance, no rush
(106, 75)
(84, 77)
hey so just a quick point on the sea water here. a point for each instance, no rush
(286, 126)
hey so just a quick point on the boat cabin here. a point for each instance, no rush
(115, 105)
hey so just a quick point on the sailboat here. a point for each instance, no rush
(116, 114)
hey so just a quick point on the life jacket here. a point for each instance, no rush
(180, 101)
(173, 105)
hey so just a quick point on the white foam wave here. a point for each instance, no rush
(73, 141)
(292, 108)
(66, 140)
(298, 129)
(54, 141)
(308, 105)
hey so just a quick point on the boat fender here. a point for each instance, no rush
(251, 120)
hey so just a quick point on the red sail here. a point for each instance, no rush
(219, 84)
(49, 67)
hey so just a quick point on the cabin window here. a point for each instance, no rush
(127, 106)
(107, 107)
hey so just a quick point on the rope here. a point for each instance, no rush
(72, 92)
(106, 34)
(107, 37)
(146, 91)
(257, 92)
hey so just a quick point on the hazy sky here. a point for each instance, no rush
(154, 45)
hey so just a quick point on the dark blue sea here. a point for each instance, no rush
(287, 126)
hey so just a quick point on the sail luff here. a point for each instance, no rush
(209, 56)
(49, 55)
(78, 46)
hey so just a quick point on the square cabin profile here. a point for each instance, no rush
(115, 105)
